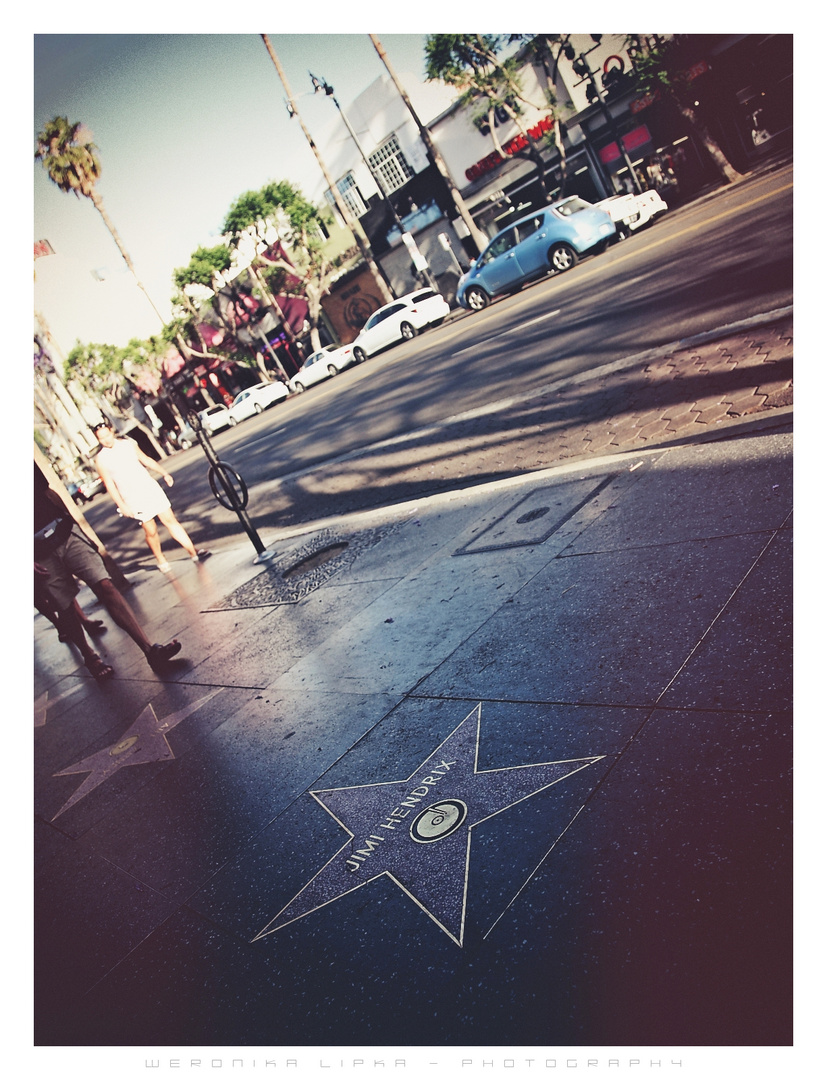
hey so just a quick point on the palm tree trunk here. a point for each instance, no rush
(726, 169)
(477, 235)
(355, 227)
(98, 204)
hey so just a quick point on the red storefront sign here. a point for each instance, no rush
(632, 140)
(519, 142)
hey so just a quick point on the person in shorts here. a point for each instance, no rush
(62, 554)
(123, 468)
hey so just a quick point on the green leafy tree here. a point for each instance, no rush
(69, 156)
(665, 68)
(300, 227)
(207, 268)
(488, 84)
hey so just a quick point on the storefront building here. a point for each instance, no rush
(614, 138)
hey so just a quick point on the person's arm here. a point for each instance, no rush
(153, 466)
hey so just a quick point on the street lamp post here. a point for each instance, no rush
(581, 67)
(325, 87)
(361, 240)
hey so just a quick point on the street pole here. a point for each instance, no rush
(478, 237)
(227, 486)
(321, 84)
(581, 68)
(355, 227)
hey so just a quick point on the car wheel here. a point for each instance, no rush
(407, 331)
(233, 421)
(298, 387)
(358, 356)
(562, 257)
(332, 370)
(185, 444)
(477, 299)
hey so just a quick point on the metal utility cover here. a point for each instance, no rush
(536, 516)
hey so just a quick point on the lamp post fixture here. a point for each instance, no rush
(581, 67)
(359, 236)
(325, 87)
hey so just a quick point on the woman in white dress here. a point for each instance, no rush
(123, 468)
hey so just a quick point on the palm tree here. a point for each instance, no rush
(477, 235)
(69, 156)
(353, 224)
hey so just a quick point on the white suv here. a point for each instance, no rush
(400, 320)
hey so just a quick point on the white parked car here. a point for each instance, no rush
(186, 437)
(324, 364)
(400, 320)
(631, 212)
(255, 399)
(215, 418)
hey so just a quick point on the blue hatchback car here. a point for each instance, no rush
(550, 240)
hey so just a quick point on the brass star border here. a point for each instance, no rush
(144, 740)
(418, 831)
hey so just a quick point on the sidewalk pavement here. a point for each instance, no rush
(504, 766)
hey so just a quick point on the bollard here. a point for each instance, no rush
(228, 487)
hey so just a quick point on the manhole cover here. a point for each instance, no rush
(298, 572)
(551, 507)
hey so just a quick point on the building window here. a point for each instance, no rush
(351, 196)
(388, 163)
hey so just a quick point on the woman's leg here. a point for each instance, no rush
(178, 533)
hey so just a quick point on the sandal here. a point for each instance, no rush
(98, 669)
(160, 654)
(200, 555)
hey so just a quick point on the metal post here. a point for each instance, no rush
(223, 480)
(320, 84)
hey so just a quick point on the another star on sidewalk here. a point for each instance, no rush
(418, 830)
(144, 741)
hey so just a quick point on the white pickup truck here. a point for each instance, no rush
(631, 212)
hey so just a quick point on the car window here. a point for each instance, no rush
(572, 206)
(499, 246)
(426, 294)
(528, 228)
(382, 314)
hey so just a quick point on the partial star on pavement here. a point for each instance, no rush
(417, 831)
(145, 740)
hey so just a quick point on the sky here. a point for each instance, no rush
(184, 124)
